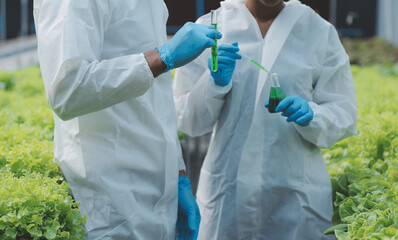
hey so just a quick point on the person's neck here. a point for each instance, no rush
(263, 13)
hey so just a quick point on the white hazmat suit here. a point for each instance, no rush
(265, 178)
(115, 128)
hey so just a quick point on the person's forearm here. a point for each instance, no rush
(182, 173)
(155, 63)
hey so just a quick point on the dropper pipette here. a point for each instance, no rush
(255, 63)
(261, 67)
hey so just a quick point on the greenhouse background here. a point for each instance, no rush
(363, 169)
(352, 18)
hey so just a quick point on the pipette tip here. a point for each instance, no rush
(258, 65)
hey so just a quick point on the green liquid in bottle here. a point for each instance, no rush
(276, 94)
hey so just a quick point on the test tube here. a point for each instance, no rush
(214, 65)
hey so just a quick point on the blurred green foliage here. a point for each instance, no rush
(372, 51)
(6, 81)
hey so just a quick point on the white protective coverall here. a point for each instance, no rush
(265, 178)
(115, 125)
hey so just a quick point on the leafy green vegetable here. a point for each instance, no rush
(34, 198)
(364, 168)
(34, 206)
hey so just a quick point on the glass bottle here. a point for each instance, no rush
(276, 94)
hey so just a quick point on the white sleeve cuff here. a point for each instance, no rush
(216, 91)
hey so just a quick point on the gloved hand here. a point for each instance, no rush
(188, 212)
(227, 55)
(296, 109)
(187, 44)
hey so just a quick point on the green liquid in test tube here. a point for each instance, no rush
(214, 65)
(276, 94)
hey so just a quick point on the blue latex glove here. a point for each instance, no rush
(188, 212)
(295, 109)
(227, 55)
(187, 44)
